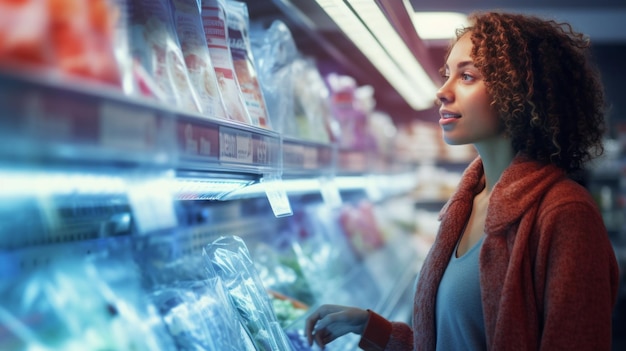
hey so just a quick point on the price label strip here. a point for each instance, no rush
(126, 128)
(236, 146)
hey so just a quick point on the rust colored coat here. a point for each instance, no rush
(548, 272)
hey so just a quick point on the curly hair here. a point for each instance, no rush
(543, 84)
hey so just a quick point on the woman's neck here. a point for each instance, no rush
(496, 157)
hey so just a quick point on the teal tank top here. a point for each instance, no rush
(459, 312)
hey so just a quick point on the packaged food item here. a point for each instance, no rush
(216, 32)
(74, 304)
(238, 25)
(228, 258)
(154, 44)
(312, 106)
(193, 43)
(274, 50)
(351, 106)
(70, 37)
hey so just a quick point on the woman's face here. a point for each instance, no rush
(467, 116)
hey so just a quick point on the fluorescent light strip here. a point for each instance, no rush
(356, 31)
(436, 25)
(389, 38)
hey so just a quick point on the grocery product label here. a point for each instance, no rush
(126, 128)
(265, 150)
(310, 157)
(197, 58)
(154, 44)
(243, 63)
(215, 30)
(198, 140)
(293, 155)
(235, 146)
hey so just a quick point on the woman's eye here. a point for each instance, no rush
(466, 76)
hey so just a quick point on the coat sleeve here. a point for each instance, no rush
(382, 335)
(577, 264)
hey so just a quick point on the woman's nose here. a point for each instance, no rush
(444, 94)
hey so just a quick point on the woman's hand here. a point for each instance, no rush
(329, 322)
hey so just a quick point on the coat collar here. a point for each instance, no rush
(520, 186)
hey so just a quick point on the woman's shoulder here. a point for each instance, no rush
(567, 198)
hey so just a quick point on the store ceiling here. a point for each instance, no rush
(317, 35)
(603, 20)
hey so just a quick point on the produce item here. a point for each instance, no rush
(287, 309)
(196, 309)
(238, 25)
(70, 37)
(74, 304)
(228, 258)
(216, 31)
(154, 44)
(195, 49)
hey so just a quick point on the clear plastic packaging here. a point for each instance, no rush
(228, 258)
(312, 111)
(75, 304)
(154, 45)
(216, 31)
(274, 50)
(195, 49)
(238, 24)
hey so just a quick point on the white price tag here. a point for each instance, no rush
(373, 189)
(276, 194)
(330, 192)
(152, 205)
(235, 146)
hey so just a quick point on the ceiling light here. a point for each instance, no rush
(371, 14)
(436, 25)
(412, 83)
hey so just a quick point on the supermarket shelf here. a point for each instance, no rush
(47, 120)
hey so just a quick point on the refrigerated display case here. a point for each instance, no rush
(109, 205)
(131, 223)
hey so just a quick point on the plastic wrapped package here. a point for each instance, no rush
(228, 258)
(313, 116)
(360, 225)
(188, 24)
(351, 106)
(321, 254)
(70, 37)
(274, 50)
(238, 24)
(154, 45)
(72, 304)
(196, 309)
(214, 20)
(185, 322)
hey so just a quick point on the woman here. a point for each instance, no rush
(522, 259)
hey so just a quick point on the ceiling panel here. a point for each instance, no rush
(604, 21)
